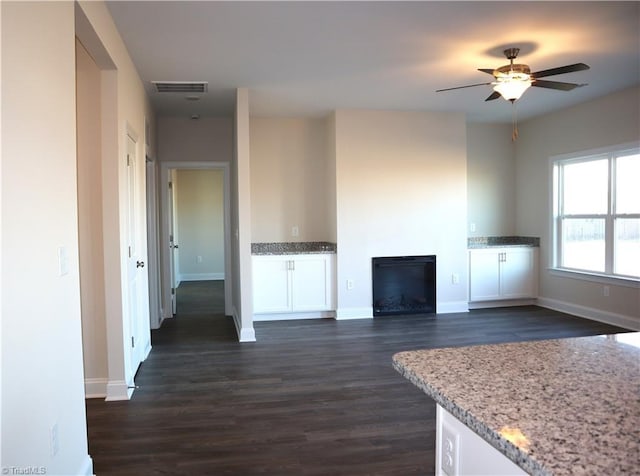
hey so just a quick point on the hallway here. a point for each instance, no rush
(315, 397)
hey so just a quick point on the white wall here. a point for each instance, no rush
(90, 233)
(401, 189)
(241, 220)
(208, 139)
(42, 377)
(610, 120)
(200, 224)
(491, 175)
(289, 179)
(124, 110)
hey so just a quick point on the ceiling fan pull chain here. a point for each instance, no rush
(514, 121)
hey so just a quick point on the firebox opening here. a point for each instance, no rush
(404, 285)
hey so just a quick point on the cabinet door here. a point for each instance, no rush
(517, 277)
(311, 283)
(484, 275)
(271, 286)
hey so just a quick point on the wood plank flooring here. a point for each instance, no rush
(315, 397)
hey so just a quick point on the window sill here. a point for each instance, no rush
(595, 277)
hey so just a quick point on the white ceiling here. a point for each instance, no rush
(309, 58)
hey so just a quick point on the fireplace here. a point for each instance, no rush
(404, 285)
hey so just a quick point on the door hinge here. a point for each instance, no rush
(133, 342)
(128, 160)
(173, 291)
(170, 184)
(129, 252)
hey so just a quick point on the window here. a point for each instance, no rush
(597, 212)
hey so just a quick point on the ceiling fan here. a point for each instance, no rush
(512, 80)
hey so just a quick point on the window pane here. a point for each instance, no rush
(585, 187)
(627, 250)
(583, 244)
(627, 188)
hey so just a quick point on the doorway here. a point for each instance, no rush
(195, 237)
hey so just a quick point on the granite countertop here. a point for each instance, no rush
(293, 248)
(575, 401)
(502, 241)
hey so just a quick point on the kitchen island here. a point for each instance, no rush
(553, 407)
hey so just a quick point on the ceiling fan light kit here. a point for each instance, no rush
(512, 80)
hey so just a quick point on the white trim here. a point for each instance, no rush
(354, 313)
(289, 316)
(118, 390)
(452, 307)
(628, 322)
(202, 277)
(86, 468)
(613, 280)
(502, 303)
(245, 334)
(95, 387)
(164, 233)
(147, 350)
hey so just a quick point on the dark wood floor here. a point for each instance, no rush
(316, 397)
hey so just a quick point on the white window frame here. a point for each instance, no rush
(609, 153)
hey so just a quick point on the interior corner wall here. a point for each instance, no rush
(126, 109)
(401, 189)
(241, 220)
(201, 224)
(288, 179)
(42, 370)
(491, 179)
(607, 121)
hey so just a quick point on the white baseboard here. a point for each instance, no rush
(118, 390)
(86, 468)
(245, 334)
(452, 307)
(95, 387)
(147, 350)
(354, 313)
(628, 322)
(288, 316)
(202, 277)
(502, 303)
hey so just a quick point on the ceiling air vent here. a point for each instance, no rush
(181, 86)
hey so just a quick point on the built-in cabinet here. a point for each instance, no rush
(300, 283)
(508, 273)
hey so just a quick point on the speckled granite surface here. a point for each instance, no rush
(576, 401)
(293, 248)
(495, 241)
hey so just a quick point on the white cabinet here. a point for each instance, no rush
(503, 273)
(293, 283)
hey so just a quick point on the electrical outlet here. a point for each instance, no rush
(295, 231)
(605, 291)
(349, 284)
(455, 278)
(199, 259)
(472, 227)
(449, 450)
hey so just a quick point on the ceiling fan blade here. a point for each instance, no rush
(462, 87)
(486, 70)
(570, 68)
(494, 95)
(556, 85)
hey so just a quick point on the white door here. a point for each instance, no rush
(517, 274)
(173, 245)
(484, 275)
(311, 278)
(139, 338)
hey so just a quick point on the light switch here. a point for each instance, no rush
(63, 261)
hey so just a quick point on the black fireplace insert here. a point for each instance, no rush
(404, 285)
